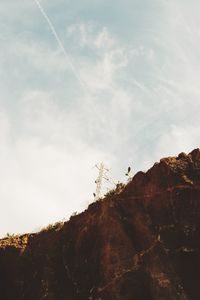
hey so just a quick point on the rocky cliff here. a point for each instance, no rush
(141, 243)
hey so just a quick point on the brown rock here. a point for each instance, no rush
(140, 244)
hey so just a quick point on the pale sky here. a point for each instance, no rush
(119, 85)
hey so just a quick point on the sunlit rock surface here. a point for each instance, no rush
(141, 243)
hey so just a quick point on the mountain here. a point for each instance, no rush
(138, 243)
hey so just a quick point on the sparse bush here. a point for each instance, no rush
(11, 235)
(119, 187)
(54, 226)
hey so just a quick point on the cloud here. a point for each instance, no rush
(43, 178)
(140, 63)
(178, 139)
(48, 152)
(107, 59)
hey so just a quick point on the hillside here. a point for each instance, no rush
(140, 244)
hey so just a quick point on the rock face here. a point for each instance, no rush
(140, 244)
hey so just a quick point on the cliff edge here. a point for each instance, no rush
(142, 243)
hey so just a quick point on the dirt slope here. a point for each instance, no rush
(140, 244)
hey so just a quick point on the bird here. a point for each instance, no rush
(94, 194)
(128, 172)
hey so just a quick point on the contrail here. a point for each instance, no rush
(60, 44)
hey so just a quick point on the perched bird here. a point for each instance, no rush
(94, 194)
(128, 172)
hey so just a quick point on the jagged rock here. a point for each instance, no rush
(140, 244)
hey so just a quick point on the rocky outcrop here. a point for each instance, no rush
(140, 244)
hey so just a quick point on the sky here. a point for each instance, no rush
(90, 81)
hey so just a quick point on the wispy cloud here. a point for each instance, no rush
(61, 46)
